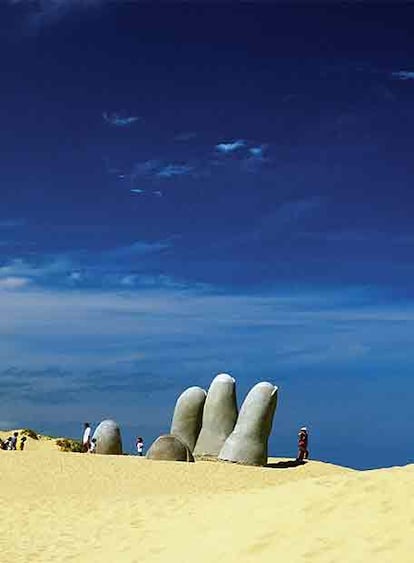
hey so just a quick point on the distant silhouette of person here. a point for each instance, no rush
(13, 441)
(140, 446)
(86, 438)
(92, 447)
(22, 443)
(303, 440)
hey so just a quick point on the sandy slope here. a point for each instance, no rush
(58, 506)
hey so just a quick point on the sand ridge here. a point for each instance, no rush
(59, 506)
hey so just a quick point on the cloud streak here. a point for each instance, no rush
(231, 146)
(13, 282)
(165, 325)
(144, 177)
(171, 170)
(12, 223)
(257, 152)
(150, 172)
(100, 269)
(40, 13)
(403, 74)
(139, 248)
(119, 120)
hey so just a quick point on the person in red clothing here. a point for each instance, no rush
(303, 439)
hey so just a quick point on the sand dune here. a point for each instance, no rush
(58, 506)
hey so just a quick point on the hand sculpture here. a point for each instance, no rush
(208, 423)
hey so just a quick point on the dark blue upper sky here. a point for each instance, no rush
(190, 188)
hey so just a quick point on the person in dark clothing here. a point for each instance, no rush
(303, 440)
(140, 446)
(22, 443)
(14, 441)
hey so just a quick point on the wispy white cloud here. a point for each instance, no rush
(120, 119)
(403, 74)
(148, 172)
(13, 282)
(129, 281)
(40, 13)
(45, 266)
(75, 276)
(329, 327)
(250, 156)
(257, 152)
(106, 268)
(144, 169)
(361, 236)
(171, 170)
(255, 158)
(145, 177)
(230, 146)
(12, 223)
(139, 248)
(139, 191)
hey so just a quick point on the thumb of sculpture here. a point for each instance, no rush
(219, 416)
(108, 438)
(169, 448)
(248, 442)
(188, 414)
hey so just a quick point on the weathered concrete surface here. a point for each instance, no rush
(169, 448)
(219, 416)
(247, 444)
(108, 438)
(188, 414)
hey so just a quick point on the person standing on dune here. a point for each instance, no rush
(92, 447)
(303, 439)
(86, 438)
(13, 442)
(140, 446)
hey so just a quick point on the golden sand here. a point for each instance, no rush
(57, 506)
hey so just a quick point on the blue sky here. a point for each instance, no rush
(189, 189)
